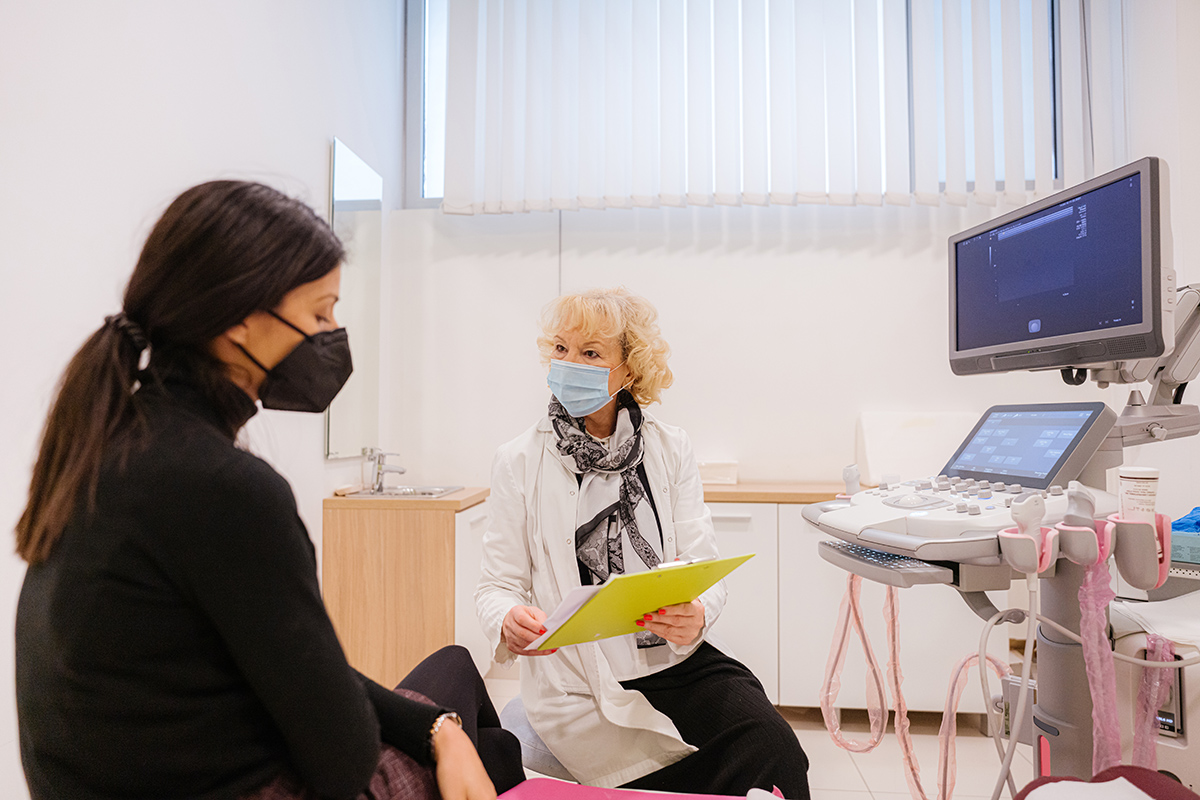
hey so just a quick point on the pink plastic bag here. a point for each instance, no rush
(912, 770)
(947, 760)
(1095, 593)
(851, 615)
(1156, 685)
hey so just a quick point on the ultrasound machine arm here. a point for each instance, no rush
(1174, 368)
(1181, 365)
(1164, 416)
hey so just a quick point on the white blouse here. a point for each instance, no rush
(603, 734)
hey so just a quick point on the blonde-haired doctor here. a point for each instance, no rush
(598, 487)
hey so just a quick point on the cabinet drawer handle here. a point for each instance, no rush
(732, 517)
(477, 519)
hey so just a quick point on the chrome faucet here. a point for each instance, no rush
(378, 469)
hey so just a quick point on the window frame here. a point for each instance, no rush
(414, 106)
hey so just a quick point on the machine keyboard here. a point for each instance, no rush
(886, 568)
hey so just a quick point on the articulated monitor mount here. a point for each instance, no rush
(1164, 416)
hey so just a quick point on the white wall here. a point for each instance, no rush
(785, 323)
(107, 111)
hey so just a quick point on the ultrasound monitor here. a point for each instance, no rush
(1080, 278)
(1036, 445)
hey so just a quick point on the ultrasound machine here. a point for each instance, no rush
(1080, 282)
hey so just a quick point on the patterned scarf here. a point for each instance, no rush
(613, 513)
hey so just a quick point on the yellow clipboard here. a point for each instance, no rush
(617, 605)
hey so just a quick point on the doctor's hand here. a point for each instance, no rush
(522, 626)
(680, 624)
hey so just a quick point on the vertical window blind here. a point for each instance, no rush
(569, 104)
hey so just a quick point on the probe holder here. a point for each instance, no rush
(1023, 553)
(1084, 546)
(1143, 551)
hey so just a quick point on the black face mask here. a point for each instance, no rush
(309, 377)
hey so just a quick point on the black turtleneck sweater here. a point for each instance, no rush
(175, 645)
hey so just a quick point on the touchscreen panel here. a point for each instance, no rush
(1022, 445)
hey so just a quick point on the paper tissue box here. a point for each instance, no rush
(723, 472)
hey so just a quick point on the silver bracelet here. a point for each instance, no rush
(437, 724)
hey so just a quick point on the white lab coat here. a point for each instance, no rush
(602, 733)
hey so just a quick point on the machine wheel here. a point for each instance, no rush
(1170, 775)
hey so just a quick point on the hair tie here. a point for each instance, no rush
(127, 327)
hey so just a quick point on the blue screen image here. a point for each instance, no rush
(1021, 444)
(1072, 268)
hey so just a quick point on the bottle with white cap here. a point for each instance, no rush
(1137, 493)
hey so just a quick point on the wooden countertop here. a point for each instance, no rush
(771, 492)
(455, 501)
(746, 492)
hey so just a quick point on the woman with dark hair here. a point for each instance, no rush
(171, 638)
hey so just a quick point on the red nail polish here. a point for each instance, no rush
(662, 611)
(649, 617)
(640, 622)
(543, 630)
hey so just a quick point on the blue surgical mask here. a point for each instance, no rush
(579, 388)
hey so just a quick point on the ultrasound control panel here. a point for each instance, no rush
(954, 516)
(937, 519)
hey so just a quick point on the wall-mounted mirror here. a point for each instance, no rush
(352, 421)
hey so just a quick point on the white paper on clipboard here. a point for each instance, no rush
(566, 609)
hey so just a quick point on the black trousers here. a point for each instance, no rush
(450, 679)
(719, 707)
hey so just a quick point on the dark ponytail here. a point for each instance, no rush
(221, 251)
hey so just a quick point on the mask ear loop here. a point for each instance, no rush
(302, 333)
(632, 380)
(258, 363)
(246, 353)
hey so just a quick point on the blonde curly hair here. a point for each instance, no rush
(614, 314)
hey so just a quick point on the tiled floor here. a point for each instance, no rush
(836, 774)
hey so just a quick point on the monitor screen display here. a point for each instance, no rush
(1031, 444)
(1070, 268)
(1081, 278)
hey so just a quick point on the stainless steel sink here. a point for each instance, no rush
(411, 491)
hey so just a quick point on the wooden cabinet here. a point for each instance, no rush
(746, 520)
(389, 577)
(748, 628)
(469, 527)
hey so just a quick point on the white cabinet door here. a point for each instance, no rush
(936, 629)
(748, 628)
(469, 527)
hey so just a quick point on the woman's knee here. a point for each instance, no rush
(455, 656)
(784, 761)
(452, 665)
(776, 740)
(452, 661)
